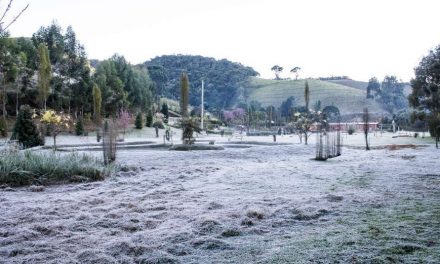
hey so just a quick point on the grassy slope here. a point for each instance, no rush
(273, 92)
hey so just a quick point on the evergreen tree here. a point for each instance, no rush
(138, 122)
(97, 101)
(44, 74)
(3, 129)
(79, 127)
(25, 130)
(184, 94)
(149, 119)
(164, 111)
(307, 95)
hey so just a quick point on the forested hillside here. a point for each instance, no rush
(222, 78)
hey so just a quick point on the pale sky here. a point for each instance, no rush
(358, 38)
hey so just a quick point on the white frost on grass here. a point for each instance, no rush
(259, 204)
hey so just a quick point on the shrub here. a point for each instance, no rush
(138, 122)
(25, 130)
(3, 128)
(79, 127)
(350, 130)
(149, 121)
(26, 168)
(158, 124)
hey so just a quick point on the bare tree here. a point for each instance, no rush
(4, 26)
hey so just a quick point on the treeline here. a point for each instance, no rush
(222, 78)
(51, 70)
(389, 93)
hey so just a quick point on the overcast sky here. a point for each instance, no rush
(358, 38)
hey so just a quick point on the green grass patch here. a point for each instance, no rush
(26, 168)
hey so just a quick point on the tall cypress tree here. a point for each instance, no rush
(307, 95)
(44, 74)
(184, 94)
(97, 102)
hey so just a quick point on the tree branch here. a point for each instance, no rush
(16, 17)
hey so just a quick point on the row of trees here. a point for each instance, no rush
(389, 93)
(278, 69)
(51, 70)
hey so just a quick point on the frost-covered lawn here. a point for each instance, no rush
(264, 204)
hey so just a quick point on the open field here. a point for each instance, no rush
(259, 204)
(274, 92)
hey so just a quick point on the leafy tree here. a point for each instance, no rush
(277, 70)
(138, 121)
(391, 94)
(44, 74)
(425, 96)
(287, 106)
(97, 101)
(373, 87)
(57, 122)
(295, 70)
(331, 112)
(25, 130)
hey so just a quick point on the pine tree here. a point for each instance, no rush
(97, 102)
(149, 118)
(79, 127)
(25, 131)
(165, 112)
(138, 122)
(44, 74)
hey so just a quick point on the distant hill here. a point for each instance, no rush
(349, 100)
(222, 78)
(351, 83)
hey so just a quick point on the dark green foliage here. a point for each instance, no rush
(158, 124)
(79, 127)
(373, 87)
(331, 112)
(138, 123)
(307, 95)
(25, 130)
(189, 126)
(391, 95)
(149, 119)
(425, 96)
(164, 111)
(122, 85)
(222, 78)
(3, 128)
(287, 106)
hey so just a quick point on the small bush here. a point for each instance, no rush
(158, 124)
(27, 168)
(79, 127)
(138, 122)
(351, 130)
(25, 130)
(3, 128)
